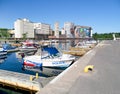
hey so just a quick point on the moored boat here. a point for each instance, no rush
(51, 58)
(9, 48)
(3, 53)
(28, 46)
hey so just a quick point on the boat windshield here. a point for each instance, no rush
(52, 51)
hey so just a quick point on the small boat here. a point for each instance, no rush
(81, 48)
(9, 48)
(91, 43)
(52, 58)
(82, 45)
(3, 53)
(28, 46)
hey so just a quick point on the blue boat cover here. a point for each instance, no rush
(8, 47)
(51, 50)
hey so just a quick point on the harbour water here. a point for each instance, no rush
(14, 63)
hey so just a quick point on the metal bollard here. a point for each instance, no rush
(36, 75)
(88, 67)
(31, 78)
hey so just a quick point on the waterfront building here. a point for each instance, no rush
(42, 30)
(68, 26)
(63, 32)
(24, 27)
(31, 29)
(51, 32)
(56, 29)
(83, 31)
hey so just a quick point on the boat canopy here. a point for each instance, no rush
(51, 50)
(8, 46)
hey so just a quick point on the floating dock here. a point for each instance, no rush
(77, 51)
(22, 81)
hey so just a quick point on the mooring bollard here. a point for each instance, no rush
(31, 78)
(36, 75)
(88, 67)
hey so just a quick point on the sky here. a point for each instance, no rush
(102, 15)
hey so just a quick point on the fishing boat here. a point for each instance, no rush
(52, 58)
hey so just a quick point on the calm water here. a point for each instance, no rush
(14, 63)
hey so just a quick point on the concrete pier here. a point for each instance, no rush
(103, 79)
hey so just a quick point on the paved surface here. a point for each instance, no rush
(104, 79)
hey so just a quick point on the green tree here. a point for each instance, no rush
(104, 36)
(24, 35)
(4, 33)
(59, 32)
(95, 36)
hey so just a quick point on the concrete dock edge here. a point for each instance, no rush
(64, 81)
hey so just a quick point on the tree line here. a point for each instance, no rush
(4, 33)
(105, 36)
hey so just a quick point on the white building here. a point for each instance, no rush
(56, 26)
(41, 28)
(24, 26)
(63, 31)
(67, 27)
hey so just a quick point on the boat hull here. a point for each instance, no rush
(27, 49)
(36, 61)
(3, 54)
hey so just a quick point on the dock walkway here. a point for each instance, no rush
(104, 79)
(22, 81)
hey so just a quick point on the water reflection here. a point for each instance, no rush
(45, 71)
(14, 62)
(2, 60)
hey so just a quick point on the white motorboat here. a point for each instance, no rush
(3, 53)
(81, 45)
(51, 59)
(86, 44)
(28, 46)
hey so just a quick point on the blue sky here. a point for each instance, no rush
(102, 15)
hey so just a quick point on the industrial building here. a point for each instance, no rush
(42, 30)
(24, 28)
(28, 29)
